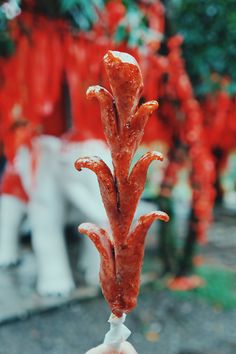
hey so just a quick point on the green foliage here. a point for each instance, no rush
(82, 13)
(48, 8)
(134, 29)
(209, 29)
(68, 5)
(7, 46)
(219, 289)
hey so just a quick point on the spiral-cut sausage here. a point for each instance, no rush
(123, 123)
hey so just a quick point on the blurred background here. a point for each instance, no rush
(50, 53)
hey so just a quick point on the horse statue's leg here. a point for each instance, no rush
(12, 211)
(47, 217)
